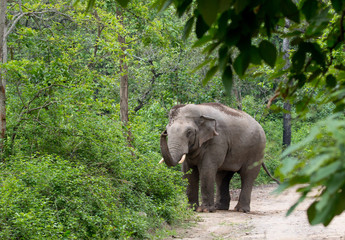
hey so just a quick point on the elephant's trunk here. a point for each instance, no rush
(168, 159)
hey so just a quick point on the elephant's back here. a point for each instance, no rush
(217, 111)
(230, 121)
(224, 109)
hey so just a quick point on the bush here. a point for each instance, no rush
(46, 197)
(317, 163)
(49, 198)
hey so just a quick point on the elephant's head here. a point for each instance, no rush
(185, 135)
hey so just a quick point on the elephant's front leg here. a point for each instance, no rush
(223, 195)
(193, 185)
(207, 179)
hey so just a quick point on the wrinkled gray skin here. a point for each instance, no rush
(219, 141)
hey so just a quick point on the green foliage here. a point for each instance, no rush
(321, 169)
(230, 25)
(67, 170)
(235, 29)
(50, 198)
(46, 197)
(238, 31)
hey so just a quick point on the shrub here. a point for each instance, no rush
(46, 197)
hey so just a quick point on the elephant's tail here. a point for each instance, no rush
(269, 174)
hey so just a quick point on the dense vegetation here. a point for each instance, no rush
(237, 35)
(70, 168)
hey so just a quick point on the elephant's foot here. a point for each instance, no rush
(239, 208)
(220, 206)
(206, 209)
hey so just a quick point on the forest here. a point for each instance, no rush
(86, 92)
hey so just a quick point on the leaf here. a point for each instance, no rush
(315, 163)
(222, 25)
(224, 5)
(338, 5)
(162, 5)
(255, 56)
(318, 24)
(300, 106)
(202, 41)
(288, 165)
(340, 67)
(268, 52)
(298, 60)
(241, 63)
(182, 6)
(336, 182)
(201, 27)
(204, 63)
(90, 5)
(290, 10)
(281, 188)
(326, 214)
(331, 81)
(210, 73)
(317, 54)
(296, 40)
(123, 3)
(268, 26)
(311, 212)
(309, 9)
(188, 28)
(208, 10)
(240, 5)
(293, 207)
(295, 147)
(209, 49)
(314, 75)
(301, 80)
(223, 56)
(227, 79)
(232, 38)
(325, 171)
(332, 40)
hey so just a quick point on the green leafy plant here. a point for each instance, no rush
(319, 171)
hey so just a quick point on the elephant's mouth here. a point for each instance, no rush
(165, 152)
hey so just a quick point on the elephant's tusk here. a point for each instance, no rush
(182, 159)
(161, 161)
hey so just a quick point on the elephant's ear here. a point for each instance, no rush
(207, 129)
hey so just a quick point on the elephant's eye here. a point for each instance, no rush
(189, 132)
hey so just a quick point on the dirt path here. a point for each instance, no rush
(265, 221)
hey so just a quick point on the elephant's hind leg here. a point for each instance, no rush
(223, 195)
(248, 176)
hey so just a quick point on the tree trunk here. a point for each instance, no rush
(123, 91)
(237, 92)
(287, 125)
(123, 76)
(124, 83)
(3, 58)
(287, 105)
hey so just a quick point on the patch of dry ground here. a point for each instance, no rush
(265, 221)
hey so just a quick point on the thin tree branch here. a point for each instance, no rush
(22, 14)
(41, 107)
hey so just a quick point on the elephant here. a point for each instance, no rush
(213, 142)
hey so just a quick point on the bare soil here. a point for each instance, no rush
(267, 220)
